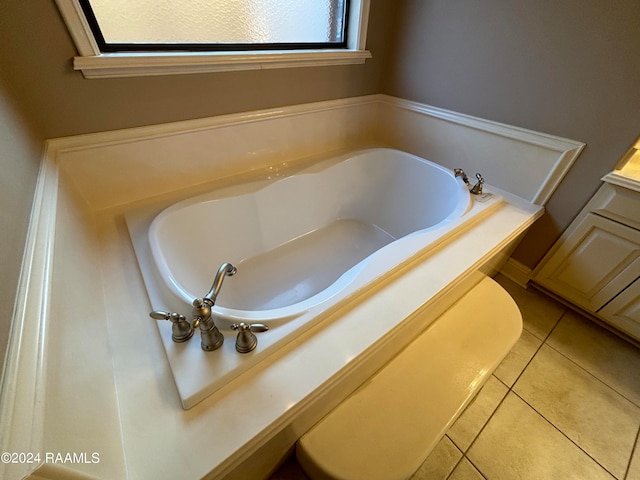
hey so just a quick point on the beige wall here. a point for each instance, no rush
(64, 103)
(565, 67)
(19, 160)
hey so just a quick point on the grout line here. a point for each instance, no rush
(455, 466)
(475, 466)
(634, 453)
(458, 461)
(531, 359)
(564, 435)
(569, 310)
(464, 452)
(566, 311)
(463, 457)
(591, 374)
(509, 390)
(555, 325)
(505, 385)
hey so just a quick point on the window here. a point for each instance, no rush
(150, 25)
(150, 37)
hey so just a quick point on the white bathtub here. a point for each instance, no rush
(301, 244)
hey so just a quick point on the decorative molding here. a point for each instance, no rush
(182, 127)
(152, 64)
(358, 22)
(559, 144)
(565, 150)
(622, 180)
(78, 27)
(511, 168)
(24, 376)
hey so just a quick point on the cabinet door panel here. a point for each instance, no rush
(599, 259)
(623, 311)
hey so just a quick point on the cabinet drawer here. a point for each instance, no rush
(617, 203)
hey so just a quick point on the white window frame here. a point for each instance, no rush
(95, 64)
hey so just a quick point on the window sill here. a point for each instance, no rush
(149, 64)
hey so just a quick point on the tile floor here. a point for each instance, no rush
(564, 404)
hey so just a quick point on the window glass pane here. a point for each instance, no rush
(220, 21)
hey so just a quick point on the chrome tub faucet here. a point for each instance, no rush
(460, 173)
(477, 188)
(226, 269)
(211, 338)
(182, 330)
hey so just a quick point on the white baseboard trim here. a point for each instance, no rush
(517, 272)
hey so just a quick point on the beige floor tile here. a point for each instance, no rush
(469, 424)
(517, 359)
(518, 443)
(440, 463)
(465, 471)
(606, 356)
(599, 420)
(540, 313)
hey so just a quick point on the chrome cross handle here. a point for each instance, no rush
(212, 339)
(477, 188)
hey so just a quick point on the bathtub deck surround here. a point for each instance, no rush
(298, 251)
(90, 376)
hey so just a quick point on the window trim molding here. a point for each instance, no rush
(95, 64)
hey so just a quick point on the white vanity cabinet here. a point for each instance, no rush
(623, 312)
(596, 262)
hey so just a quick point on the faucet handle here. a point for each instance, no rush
(246, 340)
(460, 173)
(477, 188)
(201, 311)
(181, 329)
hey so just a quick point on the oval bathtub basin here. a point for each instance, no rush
(301, 244)
(300, 240)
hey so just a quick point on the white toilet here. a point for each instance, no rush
(387, 428)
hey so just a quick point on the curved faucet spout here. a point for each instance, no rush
(224, 270)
